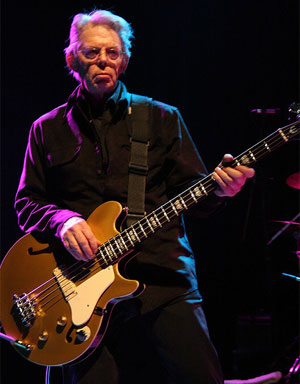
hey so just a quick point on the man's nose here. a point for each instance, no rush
(102, 64)
(102, 59)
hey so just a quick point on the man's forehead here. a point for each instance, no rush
(99, 34)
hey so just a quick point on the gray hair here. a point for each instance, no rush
(99, 17)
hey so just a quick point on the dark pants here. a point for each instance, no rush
(167, 346)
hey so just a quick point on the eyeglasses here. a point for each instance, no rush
(94, 53)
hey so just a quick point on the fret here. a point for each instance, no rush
(120, 250)
(293, 129)
(156, 218)
(107, 254)
(142, 229)
(175, 210)
(267, 146)
(197, 191)
(245, 160)
(150, 226)
(193, 196)
(102, 255)
(164, 212)
(183, 202)
(110, 252)
(132, 243)
(252, 155)
(136, 235)
(203, 189)
(112, 248)
(283, 135)
(178, 205)
(121, 237)
(153, 221)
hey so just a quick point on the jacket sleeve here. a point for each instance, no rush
(186, 167)
(34, 206)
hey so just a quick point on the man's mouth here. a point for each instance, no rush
(102, 75)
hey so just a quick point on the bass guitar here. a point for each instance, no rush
(55, 310)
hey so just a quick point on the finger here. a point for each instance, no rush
(223, 176)
(239, 173)
(229, 180)
(93, 242)
(223, 189)
(85, 238)
(72, 246)
(232, 175)
(78, 238)
(227, 159)
(227, 162)
(84, 245)
(247, 172)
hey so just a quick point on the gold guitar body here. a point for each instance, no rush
(56, 335)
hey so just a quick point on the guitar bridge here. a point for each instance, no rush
(25, 309)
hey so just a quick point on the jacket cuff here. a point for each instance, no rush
(58, 220)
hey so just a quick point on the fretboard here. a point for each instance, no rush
(112, 250)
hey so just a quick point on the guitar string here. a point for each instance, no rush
(162, 219)
(253, 148)
(257, 155)
(258, 144)
(138, 228)
(127, 242)
(140, 233)
(74, 277)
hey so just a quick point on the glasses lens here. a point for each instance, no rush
(113, 53)
(91, 53)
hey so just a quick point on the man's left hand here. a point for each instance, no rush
(231, 180)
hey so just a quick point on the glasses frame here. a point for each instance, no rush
(98, 54)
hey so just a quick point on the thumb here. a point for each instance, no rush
(227, 160)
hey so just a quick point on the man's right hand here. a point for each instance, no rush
(78, 239)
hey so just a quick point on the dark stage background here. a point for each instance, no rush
(217, 62)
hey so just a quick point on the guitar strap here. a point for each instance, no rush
(139, 119)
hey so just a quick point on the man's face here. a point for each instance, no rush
(100, 74)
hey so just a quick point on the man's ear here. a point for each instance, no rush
(71, 61)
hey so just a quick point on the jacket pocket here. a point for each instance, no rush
(62, 156)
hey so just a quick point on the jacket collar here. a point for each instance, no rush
(117, 104)
(78, 112)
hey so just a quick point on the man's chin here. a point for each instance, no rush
(100, 88)
(103, 85)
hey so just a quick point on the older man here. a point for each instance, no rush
(78, 158)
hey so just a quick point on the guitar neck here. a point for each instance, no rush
(269, 144)
(119, 245)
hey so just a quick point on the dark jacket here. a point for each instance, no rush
(77, 159)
